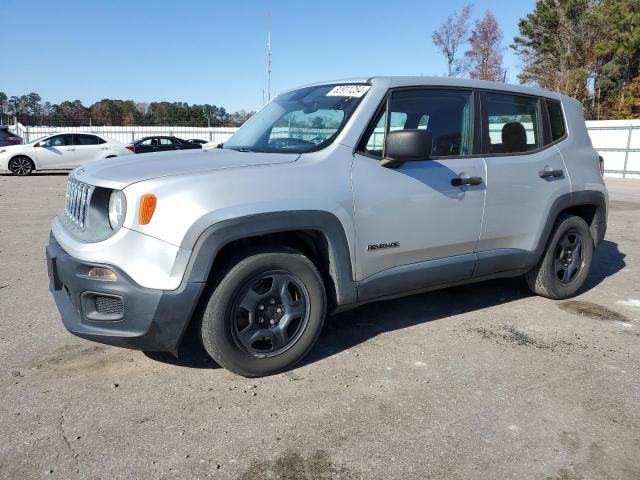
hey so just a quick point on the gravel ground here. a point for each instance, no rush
(481, 381)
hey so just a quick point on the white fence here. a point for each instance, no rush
(618, 141)
(130, 134)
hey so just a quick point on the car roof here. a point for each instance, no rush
(155, 136)
(419, 81)
(74, 133)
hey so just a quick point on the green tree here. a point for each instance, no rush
(556, 46)
(617, 50)
(3, 106)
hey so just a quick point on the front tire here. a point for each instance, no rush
(265, 314)
(566, 262)
(21, 166)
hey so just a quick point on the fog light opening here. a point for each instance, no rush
(102, 273)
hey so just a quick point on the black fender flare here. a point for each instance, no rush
(582, 198)
(215, 237)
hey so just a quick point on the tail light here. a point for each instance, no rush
(601, 161)
(131, 147)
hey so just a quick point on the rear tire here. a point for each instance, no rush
(566, 262)
(265, 314)
(21, 166)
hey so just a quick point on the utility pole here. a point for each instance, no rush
(269, 62)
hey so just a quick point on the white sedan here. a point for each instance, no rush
(61, 151)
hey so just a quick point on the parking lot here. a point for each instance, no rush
(481, 381)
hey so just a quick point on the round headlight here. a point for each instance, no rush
(117, 209)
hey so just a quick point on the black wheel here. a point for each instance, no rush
(265, 314)
(566, 262)
(21, 166)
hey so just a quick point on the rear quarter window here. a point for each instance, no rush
(556, 120)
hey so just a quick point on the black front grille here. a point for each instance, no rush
(109, 305)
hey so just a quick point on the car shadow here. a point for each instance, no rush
(607, 260)
(39, 174)
(349, 329)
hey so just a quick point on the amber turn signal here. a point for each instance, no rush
(147, 207)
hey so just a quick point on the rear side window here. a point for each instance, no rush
(513, 123)
(88, 140)
(556, 119)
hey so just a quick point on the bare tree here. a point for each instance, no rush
(448, 38)
(485, 54)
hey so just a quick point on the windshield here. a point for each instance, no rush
(299, 121)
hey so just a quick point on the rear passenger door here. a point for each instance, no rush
(88, 148)
(525, 174)
(167, 143)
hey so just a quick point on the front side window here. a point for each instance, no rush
(299, 121)
(447, 114)
(58, 141)
(556, 119)
(166, 141)
(513, 122)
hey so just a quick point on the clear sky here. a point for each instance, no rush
(215, 51)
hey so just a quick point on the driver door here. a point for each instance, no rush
(415, 228)
(56, 152)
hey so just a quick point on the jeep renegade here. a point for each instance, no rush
(332, 195)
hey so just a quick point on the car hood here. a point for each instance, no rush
(14, 148)
(119, 172)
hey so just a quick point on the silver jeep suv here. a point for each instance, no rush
(333, 195)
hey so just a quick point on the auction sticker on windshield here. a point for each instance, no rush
(348, 90)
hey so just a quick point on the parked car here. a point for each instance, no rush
(415, 184)
(196, 140)
(161, 144)
(7, 138)
(61, 151)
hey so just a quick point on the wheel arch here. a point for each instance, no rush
(316, 234)
(30, 157)
(590, 205)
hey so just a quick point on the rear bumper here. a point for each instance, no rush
(119, 312)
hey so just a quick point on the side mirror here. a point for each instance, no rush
(404, 145)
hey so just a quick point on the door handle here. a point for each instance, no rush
(550, 173)
(460, 181)
(70, 149)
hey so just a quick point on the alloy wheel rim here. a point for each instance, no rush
(270, 314)
(569, 259)
(20, 166)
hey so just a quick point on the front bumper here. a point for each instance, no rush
(118, 312)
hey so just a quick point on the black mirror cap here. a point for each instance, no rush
(404, 145)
